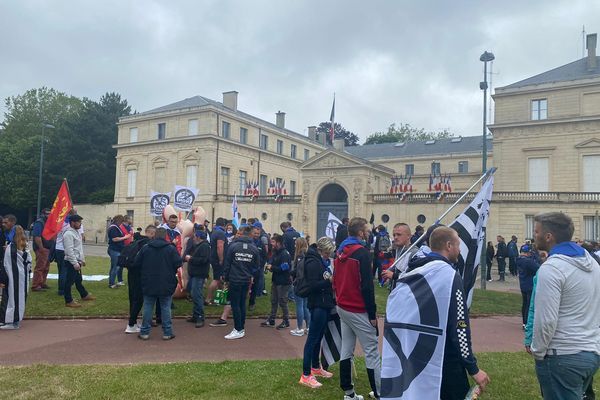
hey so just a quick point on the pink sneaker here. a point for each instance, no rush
(321, 372)
(310, 381)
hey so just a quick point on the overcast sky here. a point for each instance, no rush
(389, 61)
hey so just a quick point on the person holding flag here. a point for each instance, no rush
(42, 248)
(443, 355)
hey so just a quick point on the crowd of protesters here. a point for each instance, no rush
(325, 278)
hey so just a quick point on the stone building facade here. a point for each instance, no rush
(546, 146)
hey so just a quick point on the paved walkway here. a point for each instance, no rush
(104, 342)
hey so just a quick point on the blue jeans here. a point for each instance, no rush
(302, 312)
(565, 377)
(312, 347)
(237, 298)
(59, 256)
(197, 285)
(112, 274)
(165, 313)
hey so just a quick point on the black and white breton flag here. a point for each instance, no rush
(331, 344)
(415, 332)
(471, 225)
(17, 265)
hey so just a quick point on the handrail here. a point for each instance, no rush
(504, 197)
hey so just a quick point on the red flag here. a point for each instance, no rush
(61, 207)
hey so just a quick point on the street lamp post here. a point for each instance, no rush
(485, 58)
(39, 196)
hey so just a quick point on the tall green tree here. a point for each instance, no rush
(79, 147)
(405, 133)
(350, 139)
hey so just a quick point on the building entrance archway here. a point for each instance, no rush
(332, 198)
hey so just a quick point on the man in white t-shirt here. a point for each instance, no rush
(59, 254)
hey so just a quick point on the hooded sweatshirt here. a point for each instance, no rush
(352, 279)
(567, 300)
(158, 262)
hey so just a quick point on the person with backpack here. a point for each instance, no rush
(383, 244)
(198, 260)
(315, 284)
(289, 237)
(297, 273)
(280, 267)
(134, 278)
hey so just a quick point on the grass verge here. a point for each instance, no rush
(512, 376)
(114, 302)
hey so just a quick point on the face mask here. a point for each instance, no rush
(229, 231)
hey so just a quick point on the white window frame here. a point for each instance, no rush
(226, 129)
(191, 175)
(465, 167)
(293, 151)
(263, 141)
(192, 127)
(164, 131)
(133, 135)
(535, 183)
(292, 188)
(243, 179)
(225, 173)
(264, 182)
(131, 182)
(529, 226)
(306, 154)
(244, 135)
(539, 109)
(589, 174)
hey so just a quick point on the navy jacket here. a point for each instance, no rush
(527, 267)
(280, 266)
(158, 261)
(241, 261)
(289, 240)
(321, 291)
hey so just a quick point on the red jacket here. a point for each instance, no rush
(353, 281)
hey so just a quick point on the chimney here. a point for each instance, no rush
(312, 133)
(338, 144)
(280, 119)
(322, 138)
(230, 99)
(591, 48)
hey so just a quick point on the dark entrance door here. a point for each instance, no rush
(332, 199)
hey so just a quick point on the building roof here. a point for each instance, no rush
(569, 72)
(457, 145)
(200, 101)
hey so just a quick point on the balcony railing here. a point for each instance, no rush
(259, 199)
(502, 197)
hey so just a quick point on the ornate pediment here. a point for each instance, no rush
(332, 159)
(586, 144)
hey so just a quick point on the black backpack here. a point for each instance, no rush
(385, 244)
(301, 287)
(129, 252)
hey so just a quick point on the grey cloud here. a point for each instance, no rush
(387, 61)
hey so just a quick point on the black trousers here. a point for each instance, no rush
(455, 384)
(136, 298)
(73, 277)
(501, 266)
(254, 288)
(489, 270)
(512, 265)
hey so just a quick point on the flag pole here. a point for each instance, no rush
(488, 173)
(68, 191)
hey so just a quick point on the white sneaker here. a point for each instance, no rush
(297, 332)
(132, 329)
(9, 327)
(121, 283)
(356, 397)
(235, 334)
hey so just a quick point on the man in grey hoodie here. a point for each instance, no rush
(566, 327)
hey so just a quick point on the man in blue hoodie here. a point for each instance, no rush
(566, 326)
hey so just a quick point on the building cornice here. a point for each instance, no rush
(544, 122)
(545, 87)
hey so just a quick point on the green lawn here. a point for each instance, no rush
(512, 377)
(114, 302)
